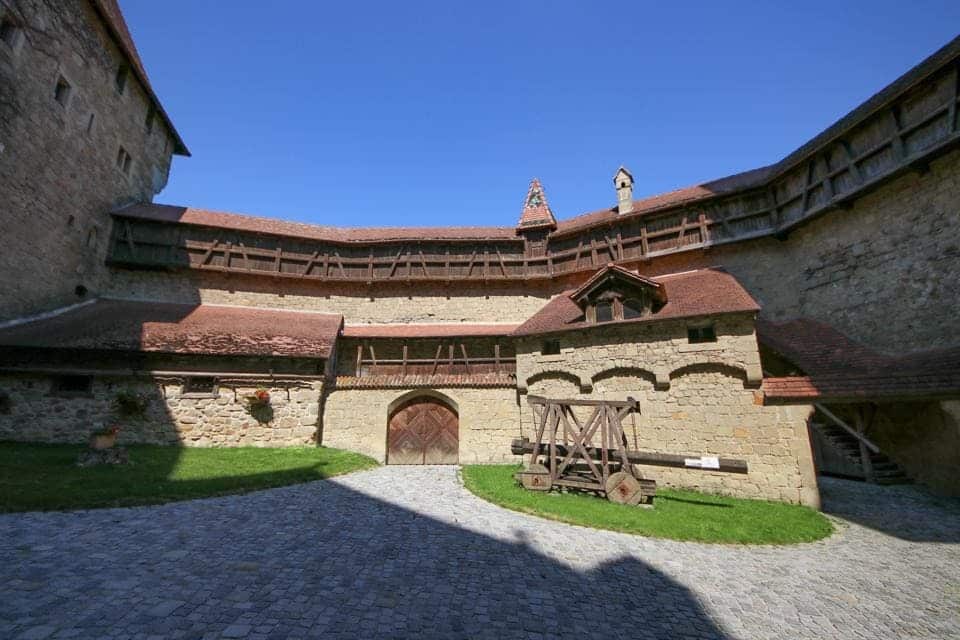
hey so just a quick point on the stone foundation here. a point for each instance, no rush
(33, 412)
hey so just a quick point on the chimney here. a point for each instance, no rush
(623, 181)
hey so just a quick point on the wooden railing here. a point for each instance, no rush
(904, 133)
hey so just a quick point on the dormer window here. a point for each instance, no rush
(614, 294)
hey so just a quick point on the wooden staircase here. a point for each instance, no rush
(882, 469)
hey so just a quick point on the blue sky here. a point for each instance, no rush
(420, 113)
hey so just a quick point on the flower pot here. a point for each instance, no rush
(100, 442)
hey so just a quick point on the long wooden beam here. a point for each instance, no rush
(523, 446)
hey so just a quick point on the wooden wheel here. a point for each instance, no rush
(536, 477)
(623, 488)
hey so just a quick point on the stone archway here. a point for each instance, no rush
(423, 430)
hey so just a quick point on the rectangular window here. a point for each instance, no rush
(696, 335)
(550, 348)
(61, 93)
(151, 115)
(124, 160)
(199, 386)
(121, 78)
(604, 311)
(8, 31)
(73, 385)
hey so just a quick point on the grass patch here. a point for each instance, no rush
(678, 515)
(43, 476)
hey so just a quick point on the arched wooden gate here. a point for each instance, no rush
(423, 430)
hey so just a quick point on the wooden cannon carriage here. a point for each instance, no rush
(594, 455)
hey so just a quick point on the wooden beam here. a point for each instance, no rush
(436, 359)
(396, 263)
(524, 446)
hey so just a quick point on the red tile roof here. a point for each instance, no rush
(703, 292)
(536, 212)
(450, 330)
(112, 17)
(123, 325)
(233, 221)
(839, 369)
(427, 381)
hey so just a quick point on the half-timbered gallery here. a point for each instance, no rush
(800, 317)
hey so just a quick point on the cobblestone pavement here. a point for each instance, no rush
(407, 552)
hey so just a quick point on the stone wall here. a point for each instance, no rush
(924, 439)
(356, 419)
(658, 349)
(707, 409)
(33, 412)
(885, 273)
(58, 161)
(422, 302)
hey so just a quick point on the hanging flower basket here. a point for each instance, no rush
(260, 398)
(104, 439)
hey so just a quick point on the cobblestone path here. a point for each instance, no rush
(407, 552)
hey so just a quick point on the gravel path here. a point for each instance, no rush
(408, 552)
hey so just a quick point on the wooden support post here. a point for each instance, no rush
(359, 372)
(436, 359)
(403, 370)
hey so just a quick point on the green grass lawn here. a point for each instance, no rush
(678, 515)
(43, 476)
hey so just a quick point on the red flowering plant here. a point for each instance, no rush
(260, 397)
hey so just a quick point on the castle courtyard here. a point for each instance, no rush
(408, 552)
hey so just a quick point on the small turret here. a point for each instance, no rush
(623, 181)
(536, 212)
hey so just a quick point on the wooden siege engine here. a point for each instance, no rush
(594, 455)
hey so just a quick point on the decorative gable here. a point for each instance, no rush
(614, 293)
(536, 212)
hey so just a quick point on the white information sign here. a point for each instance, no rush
(703, 462)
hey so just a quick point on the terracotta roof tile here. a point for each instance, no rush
(837, 368)
(427, 381)
(234, 221)
(123, 325)
(450, 330)
(695, 293)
